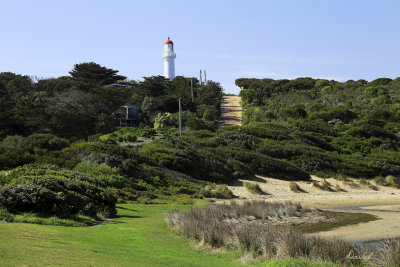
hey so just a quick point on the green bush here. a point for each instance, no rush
(101, 172)
(128, 134)
(12, 159)
(129, 138)
(262, 164)
(263, 130)
(52, 190)
(163, 120)
(184, 156)
(18, 150)
(342, 113)
(237, 139)
(46, 142)
(14, 142)
(294, 111)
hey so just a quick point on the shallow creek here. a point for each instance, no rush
(368, 234)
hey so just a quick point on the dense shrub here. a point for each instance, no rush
(262, 164)
(163, 120)
(185, 157)
(343, 119)
(14, 142)
(342, 113)
(102, 172)
(16, 150)
(264, 130)
(12, 159)
(46, 142)
(237, 139)
(52, 190)
(354, 167)
(127, 134)
(128, 161)
(294, 111)
(366, 130)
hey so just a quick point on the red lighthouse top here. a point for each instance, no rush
(169, 41)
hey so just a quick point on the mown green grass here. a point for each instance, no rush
(139, 237)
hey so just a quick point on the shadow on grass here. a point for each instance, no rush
(123, 208)
(128, 216)
(113, 221)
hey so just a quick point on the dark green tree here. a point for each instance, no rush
(153, 86)
(94, 73)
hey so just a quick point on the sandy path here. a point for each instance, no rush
(377, 200)
(231, 111)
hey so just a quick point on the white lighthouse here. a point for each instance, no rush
(169, 59)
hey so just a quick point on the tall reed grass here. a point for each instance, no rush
(240, 226)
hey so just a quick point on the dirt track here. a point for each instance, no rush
(231, 111)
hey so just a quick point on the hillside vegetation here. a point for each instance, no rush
(64, 159)
(326, 127)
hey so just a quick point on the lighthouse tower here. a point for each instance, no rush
(169, 59)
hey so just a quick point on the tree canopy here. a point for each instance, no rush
(95, 73)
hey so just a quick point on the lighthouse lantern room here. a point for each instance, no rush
(169, 59)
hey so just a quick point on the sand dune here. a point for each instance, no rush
(383, 202)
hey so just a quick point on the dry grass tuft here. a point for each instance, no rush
(387, 253)
(253, 188)
(295, 187)
(367, 183)
(324, 185)
(391, 181)
(379, 180)
(352, 184)
(216, 191)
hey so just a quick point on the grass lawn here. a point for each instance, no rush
(139, 237)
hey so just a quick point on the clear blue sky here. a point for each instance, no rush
(335, 39)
